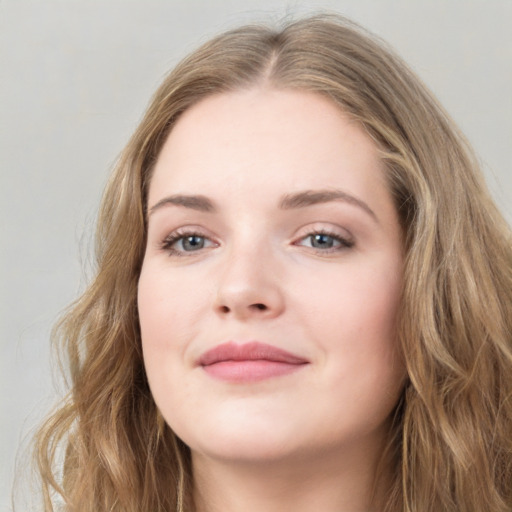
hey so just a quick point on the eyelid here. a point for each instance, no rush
(343, 236)
(183, 232)
(327, 228)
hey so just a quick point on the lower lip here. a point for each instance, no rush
(250, 370)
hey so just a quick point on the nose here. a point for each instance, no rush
(249, 287)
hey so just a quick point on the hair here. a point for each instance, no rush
(451, 442)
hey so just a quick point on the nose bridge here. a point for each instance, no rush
(248, 283)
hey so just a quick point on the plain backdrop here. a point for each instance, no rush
(75, 78)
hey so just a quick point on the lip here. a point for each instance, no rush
(249, 362)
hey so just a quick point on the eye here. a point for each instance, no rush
(325, 242)
(322, 241)
(191, 243)
(180, 243)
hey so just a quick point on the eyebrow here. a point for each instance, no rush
(200, 203)
(288, 202)
(312, 197)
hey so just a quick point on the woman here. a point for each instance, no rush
(303, 298)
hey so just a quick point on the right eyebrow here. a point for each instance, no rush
(199, 203)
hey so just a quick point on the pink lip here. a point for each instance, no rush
(249, 362)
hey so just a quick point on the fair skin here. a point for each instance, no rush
(269, 221)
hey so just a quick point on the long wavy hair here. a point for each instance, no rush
(451, 440)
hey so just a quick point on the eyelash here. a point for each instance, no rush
(344, 243)
(169, 241)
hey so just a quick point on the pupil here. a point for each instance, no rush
(193, 243)
(322, 241)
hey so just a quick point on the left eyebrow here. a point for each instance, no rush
(312, 197)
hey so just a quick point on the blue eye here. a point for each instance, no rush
(181, 243)
(325, 242)
(322, 241)
(191, 243)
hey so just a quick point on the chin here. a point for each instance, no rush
(244, 442)
(243, 453)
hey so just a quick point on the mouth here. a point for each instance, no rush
(249, 362)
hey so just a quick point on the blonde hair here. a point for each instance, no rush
(451, 442)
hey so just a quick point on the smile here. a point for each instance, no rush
(249, 362)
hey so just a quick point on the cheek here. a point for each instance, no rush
(167, 308)
(163, 315)
(154, 313)
(161, 318)
(353, 321)
(359, 302)
(172, 307)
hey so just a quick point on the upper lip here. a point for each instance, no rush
(252, 351)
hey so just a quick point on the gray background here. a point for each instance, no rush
(75, 77)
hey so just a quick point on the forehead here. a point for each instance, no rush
(265, 140)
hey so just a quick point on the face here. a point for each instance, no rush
(271, 280)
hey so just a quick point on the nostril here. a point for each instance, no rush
(257, 306)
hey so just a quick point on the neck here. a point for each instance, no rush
(330, 482)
